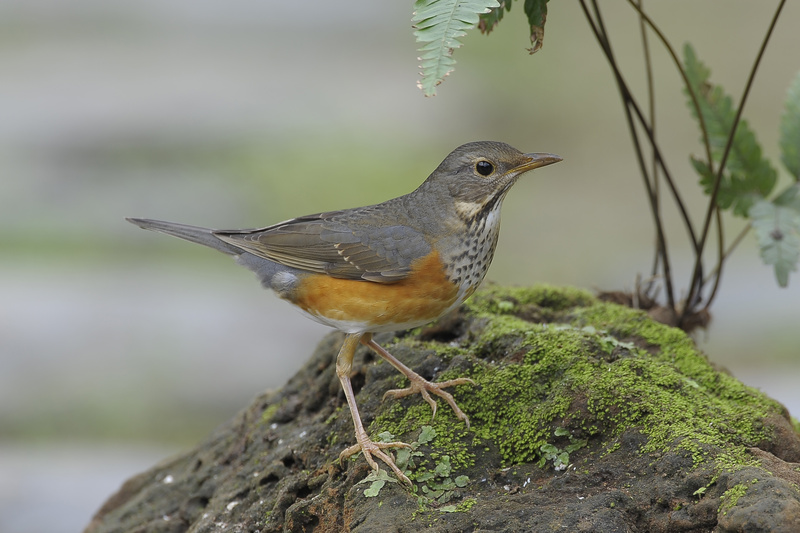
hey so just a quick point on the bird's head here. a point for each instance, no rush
(478, 175)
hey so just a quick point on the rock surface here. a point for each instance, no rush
(586, 416)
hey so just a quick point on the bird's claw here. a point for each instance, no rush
(424, 387)
(369, 448)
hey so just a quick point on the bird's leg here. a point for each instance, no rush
(418, 383)
(344, 365)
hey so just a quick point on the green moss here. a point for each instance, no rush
(466, 505)
(451, 434)
(730, 498)
(547, 358)
(494, 298)
(268, 413)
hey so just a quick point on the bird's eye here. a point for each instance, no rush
(484, 168)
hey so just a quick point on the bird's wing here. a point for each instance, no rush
(343, 244)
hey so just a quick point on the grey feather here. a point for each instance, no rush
(350, 244)
(194, 234)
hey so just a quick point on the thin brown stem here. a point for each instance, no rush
(651, 108)
(598, 28)
(650, 135)
(692, 96)
(651, 97)
(720, 255)
(733, 245)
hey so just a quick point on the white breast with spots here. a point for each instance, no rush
(469, 265)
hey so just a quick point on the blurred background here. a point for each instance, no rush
(119, 347)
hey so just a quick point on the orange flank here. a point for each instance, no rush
(421, 297)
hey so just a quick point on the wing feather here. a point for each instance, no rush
(351, 244)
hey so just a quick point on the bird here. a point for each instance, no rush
(390, 266)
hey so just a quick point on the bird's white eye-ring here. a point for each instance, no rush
(484, 168)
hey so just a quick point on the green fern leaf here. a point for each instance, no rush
(790, 130)
(748, 175)
(777, 229)
(439, 24)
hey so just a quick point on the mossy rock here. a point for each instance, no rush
(586, 416)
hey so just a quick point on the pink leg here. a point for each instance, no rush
(344, 365)
(418, 383)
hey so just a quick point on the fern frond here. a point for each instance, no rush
(748, 175)
(439, 24)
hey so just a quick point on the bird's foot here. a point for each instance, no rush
(371, 448)
(425, 388)
(418, 383)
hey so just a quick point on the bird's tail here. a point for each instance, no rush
(196, 234)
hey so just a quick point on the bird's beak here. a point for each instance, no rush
(536, 160)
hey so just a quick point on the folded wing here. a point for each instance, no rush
(338, 243)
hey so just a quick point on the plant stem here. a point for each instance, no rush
(727, 254)
(599, 30)
(692, 96)
(720, 258)
(648, 130)
(651, 101)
